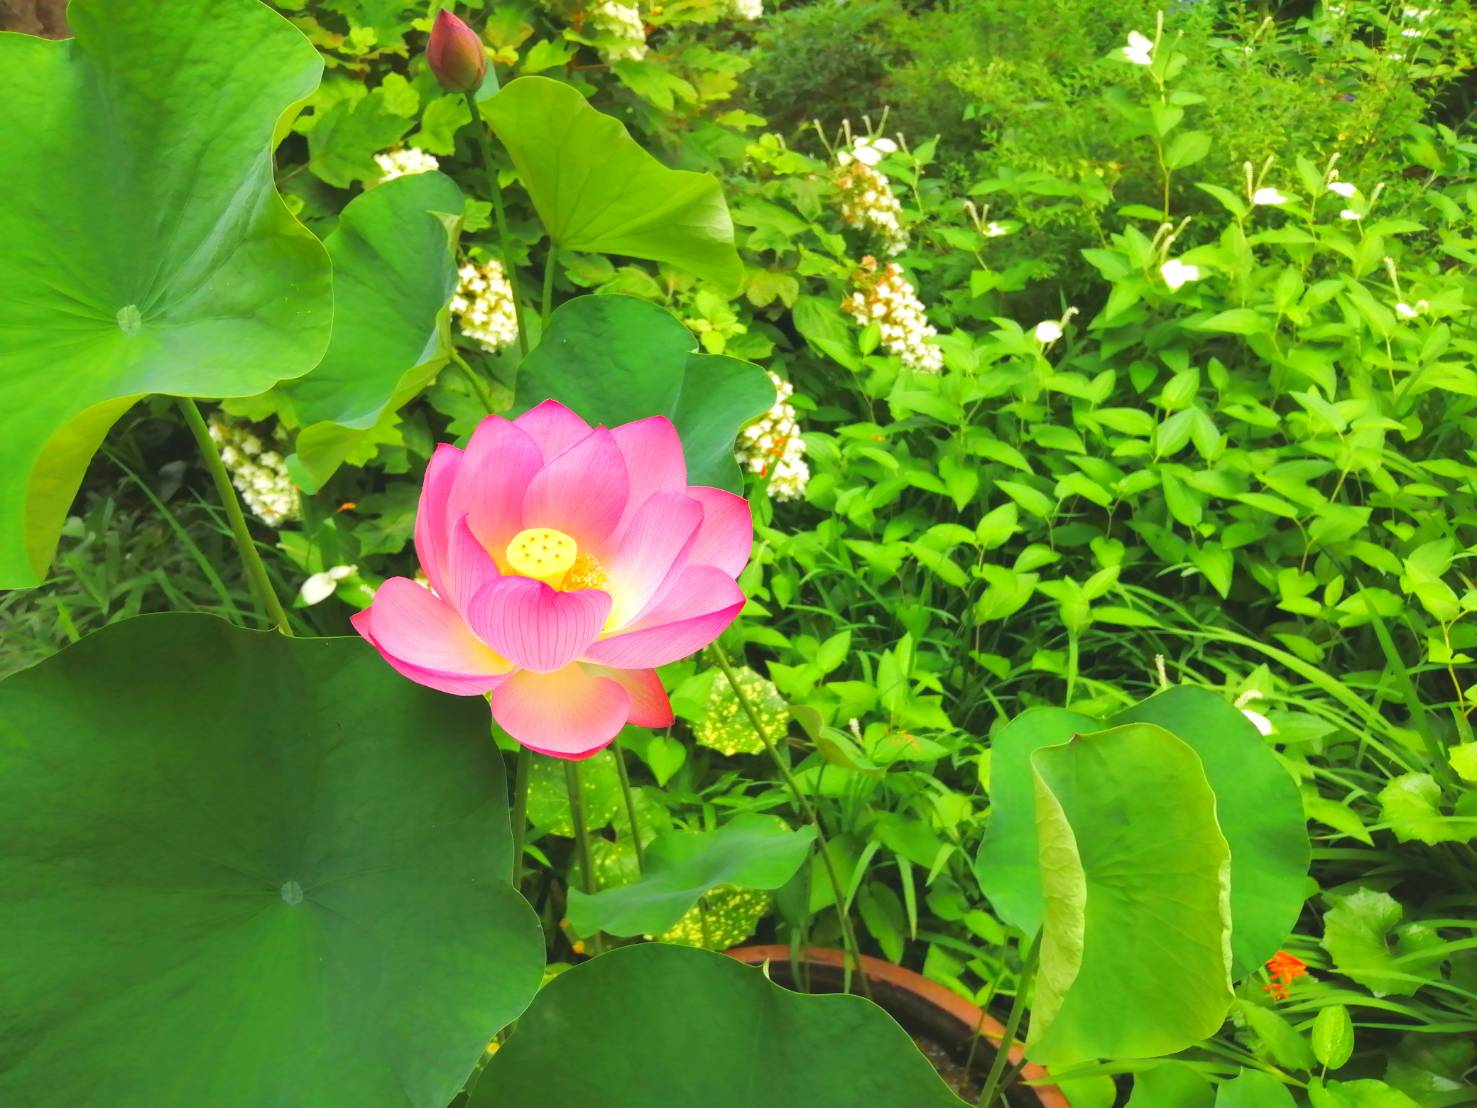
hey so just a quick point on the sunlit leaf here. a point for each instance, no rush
(1259, 810)
(145, 248)
(596, 189)
(1137, 878)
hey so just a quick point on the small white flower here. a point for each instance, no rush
(1259, 721)
(320, 586)
(1047, 332)
(400, 163)
(994, 230)
(1405, 311)
(1342, 188)
(1140, 49)
(1350, 213)
(871, 151)
(1177, 273)
(1268, 196)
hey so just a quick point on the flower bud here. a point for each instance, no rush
(455, 54)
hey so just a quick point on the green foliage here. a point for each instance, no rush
(1131, 860)
(755, 1040)
(393, 273)
(749, 852)
(595, 189)
(614, 359)
(1185, 430)
(253, 828)
(1256, 807)
(146, 249)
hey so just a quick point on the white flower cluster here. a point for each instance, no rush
(886, 296)
(404, 161)
(258, 471)
(623, 23)
(771, 446)
(746, 9)
(483, 305)
(867, 202)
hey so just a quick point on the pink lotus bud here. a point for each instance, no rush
(455, 54)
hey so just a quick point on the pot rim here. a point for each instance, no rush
(930, 992)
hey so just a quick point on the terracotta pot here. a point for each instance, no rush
(921, 1006)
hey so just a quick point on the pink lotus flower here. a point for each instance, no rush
(565, 563)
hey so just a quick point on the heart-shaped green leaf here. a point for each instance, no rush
(394, 270)
(749, 852)
(145, 248)
(249, 870)
(1136, 877)
(615, 358)
(596, 189)
(653, 1024)
(1257, 805)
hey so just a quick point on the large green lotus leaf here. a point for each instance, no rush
(596, 189)
(616, 358)
(1260, 812)
(1257, 805)
(1007, 867)
(750, 852)
(1135, 946)
(394, 271)
(145, 249)
(666, 1025)
(249, 870)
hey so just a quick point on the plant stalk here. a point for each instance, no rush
(1012, 1025)
(551, 261)
(510, 271)
(519, 814)
(581, 836)
(808, 812)
(256, 569)
(630, 798)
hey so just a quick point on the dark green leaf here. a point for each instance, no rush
(653, 1025)
(250, 870)
(615, 358)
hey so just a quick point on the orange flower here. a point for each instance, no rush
(1285, 969)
